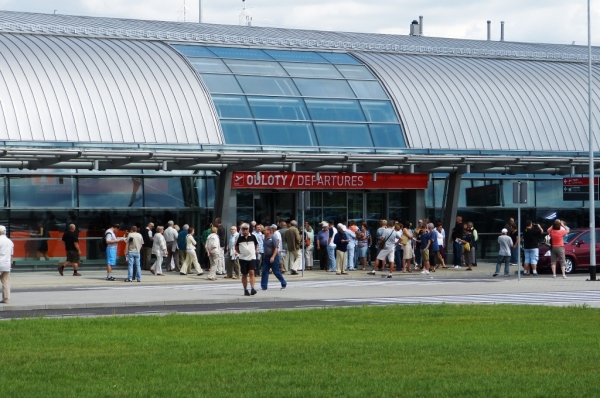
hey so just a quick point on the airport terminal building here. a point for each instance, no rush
(112, 120)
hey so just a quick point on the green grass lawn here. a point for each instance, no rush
(395, 351)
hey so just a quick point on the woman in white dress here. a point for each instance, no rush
(159, 249)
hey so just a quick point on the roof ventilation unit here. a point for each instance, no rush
(414, 28)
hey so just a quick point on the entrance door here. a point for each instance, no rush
(268, 207)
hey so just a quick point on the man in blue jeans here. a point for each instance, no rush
(270, 260)
(135, 242)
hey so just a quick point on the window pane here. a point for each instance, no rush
(221, 84)
(379, 111)
(324, 88)
(293, 134)
(209, 65)
(239, 53)
(232, 106)
(298, 56)
(311, 70)
(267, 85)
(334, 199)
(211, 188)
(387, 136)
(193, 51)
(110, 192)
(245, 199)
(355, 72)
(336, 110)
(278, 108)
(335, 215)
(339, 58)
(365, 89)
(239, 132)
(164, 192)
(343, 135)
(43, 191)
(264, 68)
(398, 199)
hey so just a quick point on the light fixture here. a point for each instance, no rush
(258, 176)
(572, 171)
(412, 169)
(95, 165)
(165, 166)
(293, 167)
(354, 167)
(468, 171)
(318, 175)
(374, 176)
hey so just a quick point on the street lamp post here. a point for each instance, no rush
(591, 155)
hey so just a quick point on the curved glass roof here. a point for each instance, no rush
(295, 98)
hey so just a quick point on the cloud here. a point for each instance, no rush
(546, 21)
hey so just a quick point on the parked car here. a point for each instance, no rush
(577, 251)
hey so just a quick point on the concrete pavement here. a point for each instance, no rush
(46, 290)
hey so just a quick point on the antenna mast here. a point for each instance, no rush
(245, 17)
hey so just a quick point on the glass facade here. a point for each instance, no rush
(545, 203)
(37, 209)
(296, 98)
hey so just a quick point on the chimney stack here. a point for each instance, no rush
(414, 28)
(421, 25)
(489, 30)
(502, 31)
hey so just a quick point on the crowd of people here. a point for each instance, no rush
(252, 250)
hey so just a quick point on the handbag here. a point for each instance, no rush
(404, 239)
(466, 247)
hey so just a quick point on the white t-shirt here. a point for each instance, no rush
(441, 236)
(7, 249)
(333, 236)
(110, 235)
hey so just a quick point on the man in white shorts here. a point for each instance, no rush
(388, 237)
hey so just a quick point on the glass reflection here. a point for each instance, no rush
(234, 106)
(343, 135)
(286, 133)
(110, 192)
(164, 192)
(267, 85)
(324, 88)
(334, 110)
(278, 108)
(43, 191)
(238, 132)
(264, 68)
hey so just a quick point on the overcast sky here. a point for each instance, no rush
(543, 21)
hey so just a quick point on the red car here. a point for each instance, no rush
(577, 251)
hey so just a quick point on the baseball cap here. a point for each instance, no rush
(504, 230)
(273, 226)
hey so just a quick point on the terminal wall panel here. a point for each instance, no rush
(101, 90)
(487, 104)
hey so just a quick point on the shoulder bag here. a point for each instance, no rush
(382, 243)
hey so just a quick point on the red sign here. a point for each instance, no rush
(577, 182)
(327, 181)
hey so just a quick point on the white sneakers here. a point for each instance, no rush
(425, 272)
